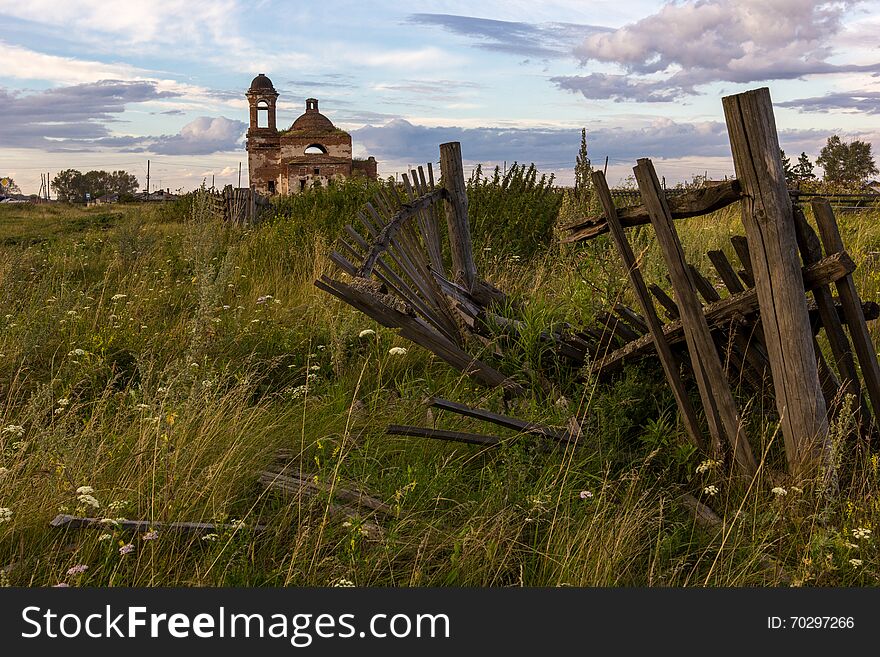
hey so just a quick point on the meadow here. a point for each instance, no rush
(153, 360)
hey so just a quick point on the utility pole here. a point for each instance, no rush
(148, 177)
(239, 174)
(605, 170)
(212, 181)
(47, 185)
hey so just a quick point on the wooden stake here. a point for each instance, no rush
(667, 359)
(717, 399)
(849, 299)
(464, 271)
(769, 224)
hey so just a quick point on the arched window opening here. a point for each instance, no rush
(315, 149)
(262, 114)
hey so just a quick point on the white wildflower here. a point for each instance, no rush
(366, 333)
(855, 563)
(117, 297)
(397, 351)
(210, 537)
(342, 582)
(64, 401)
(15, 429)
(105, 537)
(85, 490)
(779, 491)
(5, 514)
(711, 490)
(89, 500)
(861, 532)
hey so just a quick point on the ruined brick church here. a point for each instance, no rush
(311, 152)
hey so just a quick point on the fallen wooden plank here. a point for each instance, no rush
(690, 204)
(309, 486)
(496, 418)
(441, 434)
(417, 331)
(283, 485)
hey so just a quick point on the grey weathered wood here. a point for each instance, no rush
(690, 204)
(849, 299)
(654, 325)
(769, 224)
(442, 434)
(311, 487)
(811, 252)
(464, 271)
(720, 409)
(725, 271)
(501, 420)
(664, 300)
(741, 246)
(408, 211)
(415, 330)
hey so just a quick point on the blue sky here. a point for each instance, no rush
(97, 84)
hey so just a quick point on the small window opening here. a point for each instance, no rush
(271, 186)
(317, 171)
(315, 149)
(262, 114)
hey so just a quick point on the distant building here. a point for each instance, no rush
(311, 152)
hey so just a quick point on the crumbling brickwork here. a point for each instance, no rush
(311, 152)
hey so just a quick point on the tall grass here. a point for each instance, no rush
(161, 358)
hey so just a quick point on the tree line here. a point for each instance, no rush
(846, 165)
(74, 186)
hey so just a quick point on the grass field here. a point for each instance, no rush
(160, 358)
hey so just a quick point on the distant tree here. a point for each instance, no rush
(790, 178)
(68, 185)
(846, 164)
(10, 187)
(72, 185)
(583, 169)
(803, 170)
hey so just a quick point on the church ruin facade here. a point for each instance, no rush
(312, 152)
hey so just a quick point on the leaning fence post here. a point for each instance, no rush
(452, 171)
(769, 224)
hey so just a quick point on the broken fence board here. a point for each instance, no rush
(649, 314)
(721, 413)
(690, 204)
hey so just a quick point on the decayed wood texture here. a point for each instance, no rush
(690, 204)
(442, 434)
(735, 306)
(767, 217)
(464, 271)
(811, 252)
(849, 298)
(501, 420)
(309, 487)
(720, 409)
(415, 329)
(654, 325)
(408, 211)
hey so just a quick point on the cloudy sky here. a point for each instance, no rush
(100, 84)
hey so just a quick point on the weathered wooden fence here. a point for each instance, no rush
(239, 205)
(761, 335)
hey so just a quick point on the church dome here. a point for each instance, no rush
(313, 120)
(262, 83)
